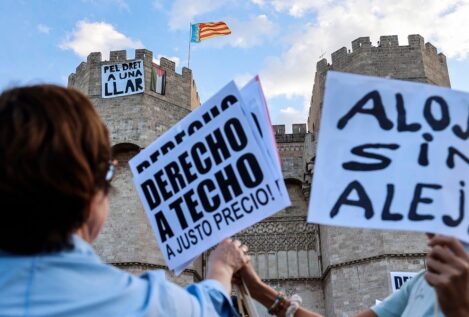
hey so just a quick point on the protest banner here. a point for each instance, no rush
(255, 107)
(205, 179)
(399, 278)
(392, 155)
(122, 79)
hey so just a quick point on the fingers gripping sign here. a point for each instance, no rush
(448, 273)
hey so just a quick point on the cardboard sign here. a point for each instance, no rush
(206, 179)
(399, 278)
(256, 109)
(122, 79)
(392, 155)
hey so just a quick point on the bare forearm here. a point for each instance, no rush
(301, 312)
(222, 275)
(266, 295)
(366, 313)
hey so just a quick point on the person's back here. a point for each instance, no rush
(55, 173)
(76, 283)
(69, 283)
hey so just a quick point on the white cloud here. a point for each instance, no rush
(175, 59)
(443, 23)
(296, 8)
(243, 79)
(292, 113)
(101, 37)
(288, 116)
(251, 32)
(183, 12)
(258, 2)
(158, 4)
(246, 33)
(42, 28)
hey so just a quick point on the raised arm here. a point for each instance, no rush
(207, 298)
(265, 294)
(227, 258)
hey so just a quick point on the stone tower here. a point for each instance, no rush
(356, 263)
(134, 121)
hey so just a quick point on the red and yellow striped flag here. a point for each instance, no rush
(203, 31)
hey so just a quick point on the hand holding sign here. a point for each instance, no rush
(228, 257)
(396, 152)
(207, 178)
(448, 273)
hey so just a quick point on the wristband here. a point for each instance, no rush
(278, 304)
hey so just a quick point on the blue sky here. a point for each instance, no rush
(44, 41)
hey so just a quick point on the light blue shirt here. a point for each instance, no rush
(77, 283)
(416, 298)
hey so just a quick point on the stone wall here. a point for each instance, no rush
(138, 118)
(291, 149)
(356, 265)
(351, 288)
(135, 121)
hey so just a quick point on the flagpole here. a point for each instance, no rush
(190, 38)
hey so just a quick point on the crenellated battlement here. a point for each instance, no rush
(297, 128)
(386, 43)
(416, 61)
(164, 98)
(121, 56)
(361, 42)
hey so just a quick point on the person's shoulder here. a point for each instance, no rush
(395, 304)
(417, 279)
(153, 276)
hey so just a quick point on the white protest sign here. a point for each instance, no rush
(392, 155)
(258, 113)
(205, 179)
(122, 79)
(399, 278)
(255, 107)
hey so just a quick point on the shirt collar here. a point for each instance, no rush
(79, 246)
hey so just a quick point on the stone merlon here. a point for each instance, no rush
(343, 55)
(297, 128)
(121, 56)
